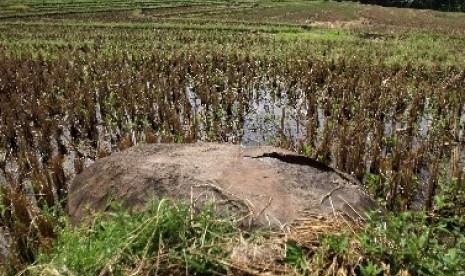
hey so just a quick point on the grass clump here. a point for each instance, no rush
(165, 238)
(408, 243)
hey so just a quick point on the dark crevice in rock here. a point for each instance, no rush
(306, 161)
(298, 160)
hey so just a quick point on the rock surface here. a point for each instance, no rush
(263, 185)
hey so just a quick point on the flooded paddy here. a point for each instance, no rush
(351, 130)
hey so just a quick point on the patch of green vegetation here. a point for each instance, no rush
(420, 244)
(164, 237)
(169, 237)
(392, 244)
(296, 256)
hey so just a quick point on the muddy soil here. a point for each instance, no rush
(258, 185)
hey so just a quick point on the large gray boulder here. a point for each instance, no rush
(261, 185)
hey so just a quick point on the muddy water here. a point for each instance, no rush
(263, 122)
(268, 119)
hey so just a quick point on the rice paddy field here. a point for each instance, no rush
(375, 92)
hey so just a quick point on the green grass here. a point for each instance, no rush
(168, 238)
(164, 237)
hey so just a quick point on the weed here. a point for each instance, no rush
(297, 257)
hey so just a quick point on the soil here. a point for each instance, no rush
(259, 185)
